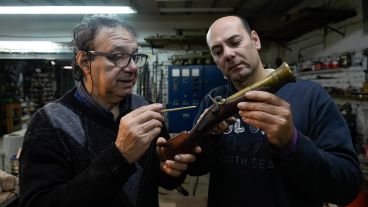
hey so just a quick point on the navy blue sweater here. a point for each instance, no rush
(69, 159)
(245, 170)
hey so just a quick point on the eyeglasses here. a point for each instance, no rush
(122, 60)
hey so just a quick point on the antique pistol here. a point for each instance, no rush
(185, 142)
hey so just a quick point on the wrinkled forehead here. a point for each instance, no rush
(115, 37)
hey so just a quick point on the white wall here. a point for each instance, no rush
(312, 45)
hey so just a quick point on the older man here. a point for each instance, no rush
(96, 146)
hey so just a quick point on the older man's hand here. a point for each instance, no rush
(180, 163)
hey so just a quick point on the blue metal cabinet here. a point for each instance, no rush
(188, 84)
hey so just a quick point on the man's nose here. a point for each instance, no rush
(229, 53)
(132, 67)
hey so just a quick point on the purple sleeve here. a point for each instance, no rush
(290, 148)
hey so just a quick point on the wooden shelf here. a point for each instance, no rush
(337, 70)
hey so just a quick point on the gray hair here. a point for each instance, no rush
(85, 32)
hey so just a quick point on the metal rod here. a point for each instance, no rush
(178, 109)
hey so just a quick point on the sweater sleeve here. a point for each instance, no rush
(48, 176)
(324, 164)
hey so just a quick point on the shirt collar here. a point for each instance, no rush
(83, 96)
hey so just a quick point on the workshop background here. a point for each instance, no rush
(324, 41)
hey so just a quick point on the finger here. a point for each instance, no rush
(151, 107)
(177, 166)
(161, 142)
(223, 126)
(263, 96)
(184, 158)
(149, 115)
(279, 113)
(258, 106)
(271, 125)
(152, 134)
(170, 171)
(149, 125)
(149, 136)
(142, 115)
(262, 117)
(231, 120)
(198, 150)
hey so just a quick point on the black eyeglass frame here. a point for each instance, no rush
(113, 56)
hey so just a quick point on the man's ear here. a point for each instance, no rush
(83, 61)
(255, 38)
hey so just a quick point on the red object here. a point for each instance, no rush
(360, 201)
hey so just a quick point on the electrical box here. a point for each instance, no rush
(188, 84)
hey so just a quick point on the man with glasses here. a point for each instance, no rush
(96, 146)
(121, 59)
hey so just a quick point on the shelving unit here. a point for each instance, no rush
(12, 116)
(337, 70)
(347, 79)
(27, 110)
(43, 88)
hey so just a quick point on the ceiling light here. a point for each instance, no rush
(66, 10)
(33, 47)
(67, 67)
(196, 9)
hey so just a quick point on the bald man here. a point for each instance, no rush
(292, 148)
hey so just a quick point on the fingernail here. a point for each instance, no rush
(177, 157)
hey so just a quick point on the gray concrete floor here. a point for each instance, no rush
(197, 195)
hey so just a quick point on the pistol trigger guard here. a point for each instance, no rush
(216, 107)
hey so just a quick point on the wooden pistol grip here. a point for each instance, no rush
(176, 145)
